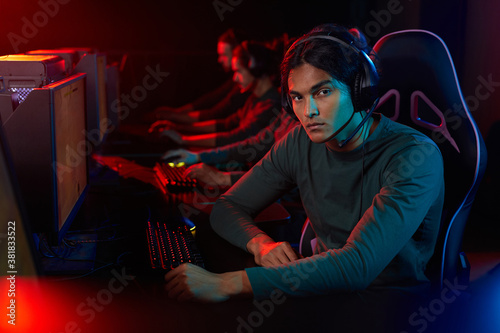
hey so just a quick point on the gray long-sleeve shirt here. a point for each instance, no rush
(375, 210)
(256, 114)
(252, 149)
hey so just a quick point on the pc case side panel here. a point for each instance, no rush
(28, 133)
(6, 107)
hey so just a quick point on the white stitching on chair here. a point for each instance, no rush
(385, 98)
(421, 122)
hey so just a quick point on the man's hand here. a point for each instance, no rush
(183, 156)
(164, 112)
(270, 253)
(208, 175)
(192, 283)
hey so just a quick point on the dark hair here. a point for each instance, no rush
(341, 62)
(257, 58)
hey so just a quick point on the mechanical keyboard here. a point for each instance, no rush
(171, 246)
(171, 178)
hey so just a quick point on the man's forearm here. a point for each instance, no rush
(183, 118)
(237, 284)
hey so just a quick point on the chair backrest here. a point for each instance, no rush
(419, 88)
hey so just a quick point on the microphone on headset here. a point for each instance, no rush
(356, 130)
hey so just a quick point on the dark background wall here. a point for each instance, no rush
(180, 36)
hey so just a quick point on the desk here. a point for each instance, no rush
(118, 206)
(195, 205)
(123, 294)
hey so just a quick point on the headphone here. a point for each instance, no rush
(364, 94)
(259, 57)
(365, 90)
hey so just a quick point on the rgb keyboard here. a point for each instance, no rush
(171, 178)
(170, 247)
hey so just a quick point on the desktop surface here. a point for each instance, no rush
(120, 291)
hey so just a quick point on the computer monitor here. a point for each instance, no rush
(18, 255)
(47, 138)
(113, 94)
(94, 65)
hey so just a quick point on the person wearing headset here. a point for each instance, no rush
(254, 66)
(241, 153)
(373, 189)
(219, 103)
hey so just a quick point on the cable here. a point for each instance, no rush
(113, 238)
(69, 245)
(361, 124)
(96, 229)
(116, 263)
(86, 274)
(365, 134)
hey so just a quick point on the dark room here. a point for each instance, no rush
(139, 139)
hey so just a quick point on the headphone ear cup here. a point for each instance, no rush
(286, 103)
(365, 92)
(255, 63)
(251, 62)
(356, 100)
(255, 67)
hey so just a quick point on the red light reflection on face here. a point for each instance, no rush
(224, 52)
(242, 75)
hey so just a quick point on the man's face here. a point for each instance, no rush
(321, 103)
(242, 75)
(224, 51)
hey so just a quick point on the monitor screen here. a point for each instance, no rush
(70, 141)
(94, 65)
(113, 94)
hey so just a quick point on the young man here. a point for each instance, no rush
(246, 152)
(372, 189)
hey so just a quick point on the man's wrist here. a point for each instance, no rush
(254, 244)
(195, 115)
(236, 284)
(225, 179)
